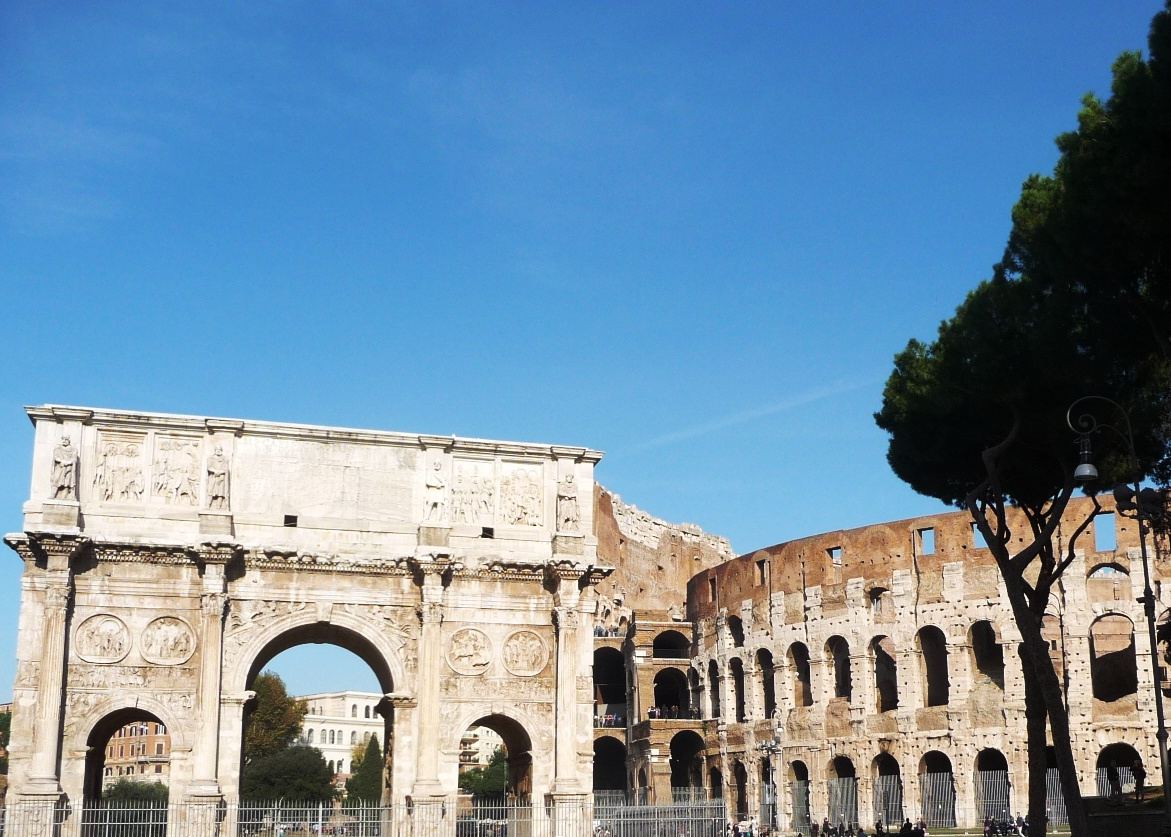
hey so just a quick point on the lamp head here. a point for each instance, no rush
(1085, 471)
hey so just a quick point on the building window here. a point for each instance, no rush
(367, 711)
(978, 538)
(926, 541)
(354, 737)
(711, 584)
(354, 711)
(761, 572)
(158, 768)
(835, 555)
(159, 748)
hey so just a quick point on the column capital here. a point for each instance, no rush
(56, 550)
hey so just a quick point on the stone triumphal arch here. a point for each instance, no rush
(168, 558)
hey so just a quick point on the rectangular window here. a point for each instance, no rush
(761, 572)
(978, 538)
(835, 555)
(926, 541)
(1105, 539)
(711, 582)
(159, 748)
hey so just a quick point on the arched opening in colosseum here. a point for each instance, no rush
(764, 665)
(933, 654)
(518, 748)
(842, 784)
(696, 693)
(987, 654)
(882, 605)
(687, 757)
(799, 795)
(670, 686)
(1121, 758)
(642, 783)
(768, 792)
(888, 789)
(713, 688)
(802, 682)
(736, 667)
(886, 679)
(1113, 665)
(609, 687)
(937, 793)
(736, 631)
(740, 782)
(609, 764)
(671, 645)
(992, 787)
(715, 781)
(129, 740)
(837, 651)
(1108, 583)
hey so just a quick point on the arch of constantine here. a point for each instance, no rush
(167, 559)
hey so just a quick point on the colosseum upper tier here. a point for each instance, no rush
(876, 671)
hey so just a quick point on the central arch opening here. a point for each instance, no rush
(319, 715)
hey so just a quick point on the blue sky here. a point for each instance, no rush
(692, 235)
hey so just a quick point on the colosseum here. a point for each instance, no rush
(873, 673)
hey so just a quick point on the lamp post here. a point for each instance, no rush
(1137, 501)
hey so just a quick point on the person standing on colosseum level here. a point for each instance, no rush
(1140, 777)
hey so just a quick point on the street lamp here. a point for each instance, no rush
(1139, 502)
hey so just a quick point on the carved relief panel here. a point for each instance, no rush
(524, 653)
(102, 639)
(118, 474)
(175, 473)
(522, 494)
(473, 492)
(167, 641)
(469, 651)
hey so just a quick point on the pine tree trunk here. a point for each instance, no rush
(1035, 715)
(1037, 651)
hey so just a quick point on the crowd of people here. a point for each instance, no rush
(845, 829)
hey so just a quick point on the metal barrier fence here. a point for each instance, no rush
(799, 788)
(843, 800)
(992, 796)
(1054, 798)
(888, 799)
(937, 797)
(450, 817)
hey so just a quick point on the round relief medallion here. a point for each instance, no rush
(167, 641)
(469, 651)
(525, 653)
(102, 639)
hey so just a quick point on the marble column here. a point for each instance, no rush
(56, 594)
(431, 612)
(213, 604)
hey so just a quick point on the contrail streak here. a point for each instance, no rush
(748, 415)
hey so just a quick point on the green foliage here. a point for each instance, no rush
(5, 729)
(275, 720)
(366, 783)
(482, 781)
(125, 790)
(296, 774)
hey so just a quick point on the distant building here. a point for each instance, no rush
(338, 722)
(139, 752)
(476, 747)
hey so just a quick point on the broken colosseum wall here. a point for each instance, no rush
(875, 670)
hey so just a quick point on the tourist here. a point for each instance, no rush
(907, 828)
(1114, 782)
(1140, 778)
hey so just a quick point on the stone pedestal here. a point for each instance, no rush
(61, 514)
